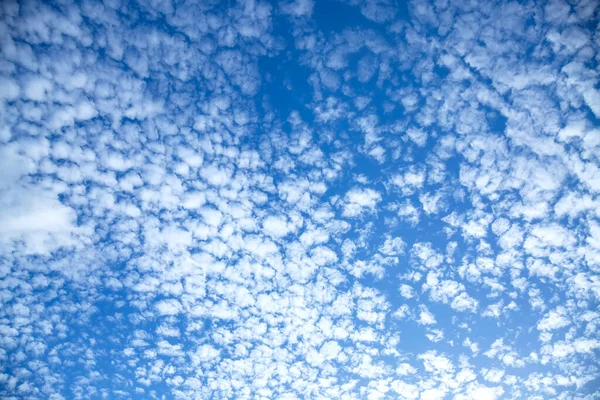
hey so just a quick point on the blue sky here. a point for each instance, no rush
(299, 200)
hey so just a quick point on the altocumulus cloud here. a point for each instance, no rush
(362, 199)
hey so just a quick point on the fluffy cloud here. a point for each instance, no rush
(357, 201)
(254, 199)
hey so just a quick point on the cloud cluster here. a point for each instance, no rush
(298, 199)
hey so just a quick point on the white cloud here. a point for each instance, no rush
(168, 307)
(38, 219)
(357, 201)
(37, 88)
(218, 197)
(298, 7)
(407, 291)
(215, 175)
(554, 319)
(277, 226)
(486, 393)
(436, 363)
(418, 136)
(392, 246)
(426, 317)
(464, 302)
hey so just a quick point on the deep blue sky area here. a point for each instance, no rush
(363, 199)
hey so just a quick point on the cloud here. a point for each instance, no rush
(426, 317)
(555, 319)
(357, 201)
(39, 220)
(277, 227)
(299, 199)
(298, 7)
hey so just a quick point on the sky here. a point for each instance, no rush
(354, 199)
